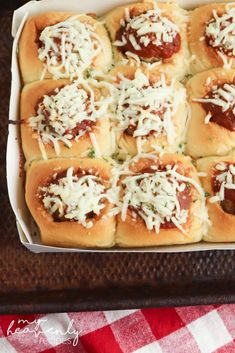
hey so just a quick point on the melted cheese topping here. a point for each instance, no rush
(155, 197)
(221, 31)
(226, 178)
(73, 198)
(223, 97)
(151, 22)
(69, 47)
(61, 112)
(149, 107)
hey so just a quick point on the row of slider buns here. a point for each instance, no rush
(154, 35)
(110, 116)
(149, 201)
(110, 99)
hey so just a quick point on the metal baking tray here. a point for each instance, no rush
(58, 282)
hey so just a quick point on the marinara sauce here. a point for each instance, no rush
(184, 198)
(152, 51)
(220, 117)
(210, 40)
(228, 204)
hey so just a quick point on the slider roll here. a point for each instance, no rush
(149, 113)
(211, 129)
(64, 119)
(149, 34)
(162, 203)
(68, 199)
(211, 37)
(62, 45)
(219, 185)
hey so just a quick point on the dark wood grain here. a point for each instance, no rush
(75, 282)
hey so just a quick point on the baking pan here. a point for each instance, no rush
(58, 282)
(28, 231)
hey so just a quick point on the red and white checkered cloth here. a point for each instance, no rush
(203, 329)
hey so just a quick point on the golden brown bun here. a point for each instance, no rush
(132, 233)
(30, 65)
(204, 56)
(207, 139)
(222, 228)
(128, 143)
(177, 65)
(30, 96)
(67, 234)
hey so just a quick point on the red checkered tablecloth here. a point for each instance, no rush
(203, 329)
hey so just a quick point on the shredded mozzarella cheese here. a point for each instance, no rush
(74, 198)
(134, 56)
(61, 112)
(145, 24)
(221, 31)
(223, 97)
(226, 179)
(228, 62)
(95, 145)
(207, 118)
(69, 47)
(149, 107)
(154, 197)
